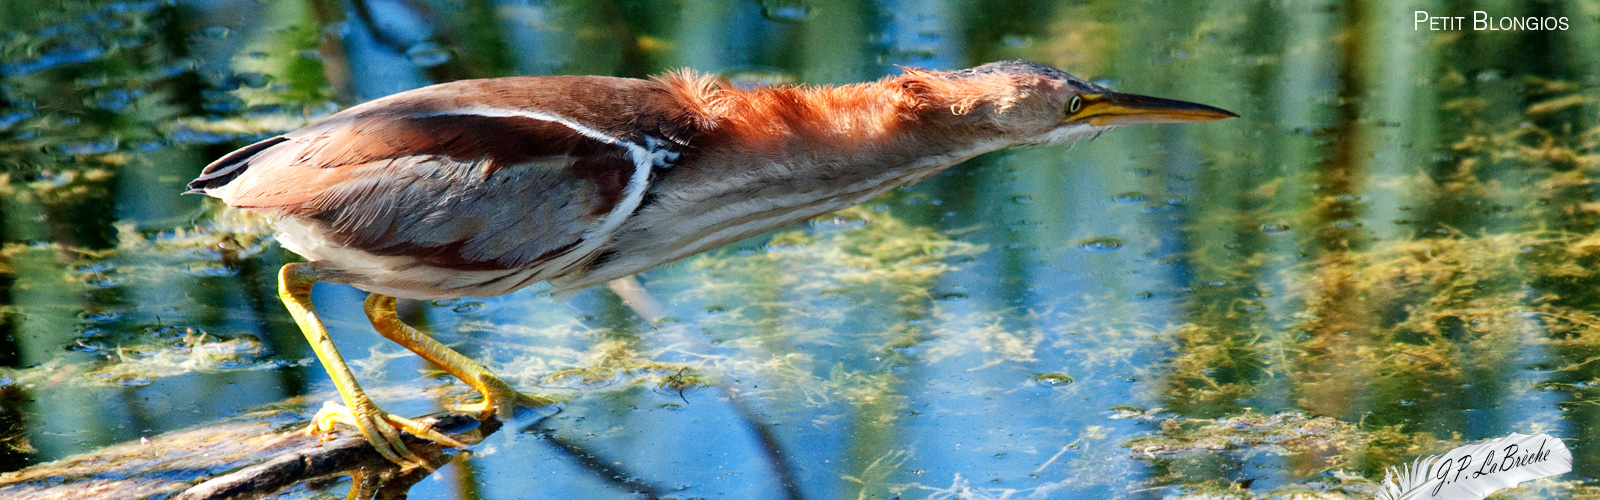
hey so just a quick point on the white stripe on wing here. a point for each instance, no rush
(645, 158)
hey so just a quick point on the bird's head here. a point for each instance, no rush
(1032, 103)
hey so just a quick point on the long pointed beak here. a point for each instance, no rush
(1116, 109)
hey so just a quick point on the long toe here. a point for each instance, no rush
(424, 431)
(501, 401)
(382, 431)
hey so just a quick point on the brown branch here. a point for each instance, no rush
(340, 457)
(184, 462)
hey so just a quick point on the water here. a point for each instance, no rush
(1389, 254)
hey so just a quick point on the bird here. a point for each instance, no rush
(479, 188)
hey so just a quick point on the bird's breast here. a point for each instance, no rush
(711, 206)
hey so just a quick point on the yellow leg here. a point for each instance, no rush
(499, 398)
(376, 425)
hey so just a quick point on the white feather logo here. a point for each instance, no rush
(1474, 471)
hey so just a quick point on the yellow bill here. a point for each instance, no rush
(1116, 109)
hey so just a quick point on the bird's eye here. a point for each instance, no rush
(1074, 105)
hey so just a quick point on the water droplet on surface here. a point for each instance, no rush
(427, 54)
(1100, 245)
(786, 11)
(1022, 199)
(1130, 198)
(215, 32)
(1274, 227)
(839, 222)
(1052, 380)
(1016, 41)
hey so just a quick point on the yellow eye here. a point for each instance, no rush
(1074, 105)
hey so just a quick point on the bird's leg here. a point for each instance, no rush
(499, 398)
(637, 298)
(376, 425)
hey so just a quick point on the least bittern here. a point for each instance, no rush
(483, 187)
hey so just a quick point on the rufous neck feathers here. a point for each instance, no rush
(917, 109)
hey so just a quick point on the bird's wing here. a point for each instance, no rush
(467, 189)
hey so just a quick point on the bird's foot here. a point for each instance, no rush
(381, 430)
(501, 401)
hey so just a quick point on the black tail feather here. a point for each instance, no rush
(219, 173)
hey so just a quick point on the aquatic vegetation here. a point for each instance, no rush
(1327, 442)
(614, 361)
(871, 254)
(1393, 252)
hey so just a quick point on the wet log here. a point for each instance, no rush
(349, 455)
(247, 456)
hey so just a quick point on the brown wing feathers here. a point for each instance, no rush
(472, 175)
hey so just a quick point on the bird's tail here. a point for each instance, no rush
(219, 173)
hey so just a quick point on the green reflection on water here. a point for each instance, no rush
(1393, 245)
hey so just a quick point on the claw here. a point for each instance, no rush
(500, 400)
(382, 431)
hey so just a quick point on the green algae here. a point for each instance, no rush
(614, 362)
(1338, 282)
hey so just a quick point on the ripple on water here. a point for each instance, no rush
(1130, 198)
(1100, 245)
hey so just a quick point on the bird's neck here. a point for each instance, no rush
(862, 129)
(766, 157)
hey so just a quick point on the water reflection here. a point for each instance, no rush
(1393, 245)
